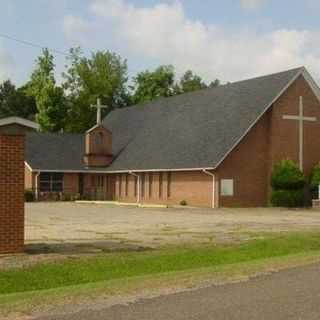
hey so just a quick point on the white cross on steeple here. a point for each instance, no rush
(301, 118)
(99, 106)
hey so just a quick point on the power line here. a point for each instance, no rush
(36, 45)
(32, 44)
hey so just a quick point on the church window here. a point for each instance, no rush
(127, 185)
(160, 184)
(169, 185)
(135, 186)
(97, 181)
(99, 139)
(227, 187)
(150, 184)
(143, 180)
(120, 185)
(51, 182)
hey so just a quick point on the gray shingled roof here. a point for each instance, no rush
(193, 130)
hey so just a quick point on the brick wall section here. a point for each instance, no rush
(270, 140)
(12, 194)
(284, 135)
(71, 183)
(247, 165)
(193, 187)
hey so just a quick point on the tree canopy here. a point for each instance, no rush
(50, 100)
(191, 82)
(149, 85)
(103, 74)
(15, 102)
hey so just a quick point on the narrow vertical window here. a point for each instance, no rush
(135, 186)
(142, 185)
(150, 184)
(93, 182)
(127, 183)
(169, 185)
(120, 184)
(160, 184)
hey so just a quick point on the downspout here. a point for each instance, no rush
(213, 186)
(36, 185)
(138, 185)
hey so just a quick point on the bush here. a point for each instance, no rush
(70, 196)
(315, 177)
(287, 176)
(288, 184)
(65, 197)
(287, 198)
(29, 196)
(183, 203)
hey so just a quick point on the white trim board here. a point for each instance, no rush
(19, 121)
(118, 171)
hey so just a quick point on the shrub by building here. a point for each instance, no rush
(288, 184)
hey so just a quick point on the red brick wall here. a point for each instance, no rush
(193, 187)
(11, 193)
(71, 183)
(285, 133)
(271, 139)
(247, 165)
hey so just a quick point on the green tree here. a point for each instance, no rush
(215, 83)
(190, 82)
(149, 85)
(15, 102)
(49, 97)
(104, 76)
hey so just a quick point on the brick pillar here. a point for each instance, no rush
(11, 193)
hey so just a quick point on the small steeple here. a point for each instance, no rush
(99, 107)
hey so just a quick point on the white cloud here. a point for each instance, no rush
(7, 66)
(164, 33)
(75, 29)
(251, 4)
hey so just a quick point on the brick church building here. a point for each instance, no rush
(212, 148)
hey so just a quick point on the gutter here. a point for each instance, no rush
(36, 185)
(121, 171)
(138, 184)
(213, 186)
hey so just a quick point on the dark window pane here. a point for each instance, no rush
(45, 176)
(57, 186)
(44, 186)
(57, 176)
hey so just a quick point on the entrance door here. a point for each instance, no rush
(98, 184)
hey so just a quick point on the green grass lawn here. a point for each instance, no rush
(133, 264)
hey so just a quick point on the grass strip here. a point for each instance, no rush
(134, 264)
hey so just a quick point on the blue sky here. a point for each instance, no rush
(230, 39)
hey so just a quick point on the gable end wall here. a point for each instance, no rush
(270, 140)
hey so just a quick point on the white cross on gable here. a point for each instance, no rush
(301, 118)
(99, 107)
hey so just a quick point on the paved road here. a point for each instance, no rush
(290, 294)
